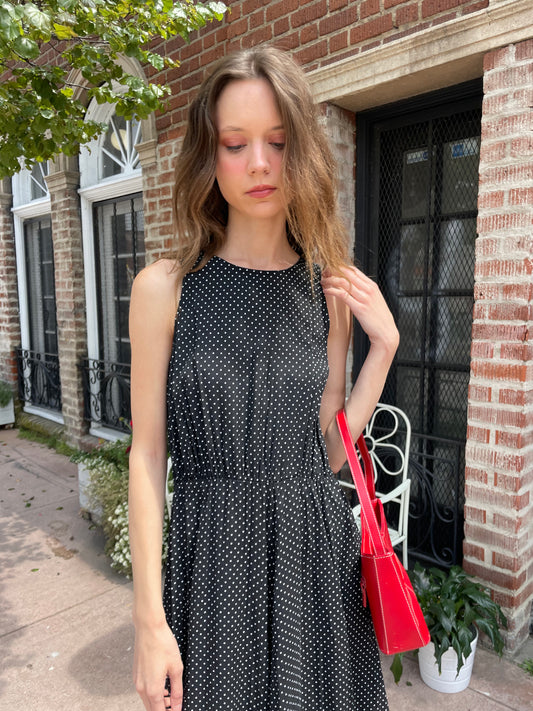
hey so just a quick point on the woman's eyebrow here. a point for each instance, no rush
(238, 129)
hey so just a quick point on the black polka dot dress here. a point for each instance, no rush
(262, 585)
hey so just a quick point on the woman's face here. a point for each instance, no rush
(251, 140)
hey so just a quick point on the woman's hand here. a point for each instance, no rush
(157, 656)
(366, 302)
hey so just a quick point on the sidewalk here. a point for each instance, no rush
(66, 638)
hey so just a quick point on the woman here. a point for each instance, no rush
(239, 354)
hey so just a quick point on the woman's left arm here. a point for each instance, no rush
(354, 294)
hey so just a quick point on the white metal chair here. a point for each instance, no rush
(168, 494)
(388, 436)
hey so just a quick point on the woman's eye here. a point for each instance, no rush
(234, 149)
(278, 146)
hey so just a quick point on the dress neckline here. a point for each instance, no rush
(261, 271)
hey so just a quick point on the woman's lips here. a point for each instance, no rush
(261, 191)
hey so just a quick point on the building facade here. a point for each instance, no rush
(428, 107)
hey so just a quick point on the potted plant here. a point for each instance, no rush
(103, 475)
(456, 609)
(7, 410)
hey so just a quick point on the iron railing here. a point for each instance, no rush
(39, 381)
(106, 387)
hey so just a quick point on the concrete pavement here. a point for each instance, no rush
(66, 640)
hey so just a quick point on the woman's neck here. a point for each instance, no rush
(260, 245)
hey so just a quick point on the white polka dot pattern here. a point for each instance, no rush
(262, 586)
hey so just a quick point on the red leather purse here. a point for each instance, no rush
(398, 620)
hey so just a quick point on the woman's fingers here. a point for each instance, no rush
(176, 685)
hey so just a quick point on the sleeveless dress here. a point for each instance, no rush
(262, 584)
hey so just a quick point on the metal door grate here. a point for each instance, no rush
(422, 229)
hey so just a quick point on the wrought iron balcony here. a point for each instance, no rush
(39, 381)
(106, 387)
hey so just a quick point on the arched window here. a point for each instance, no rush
(38, 362)
(113, 238)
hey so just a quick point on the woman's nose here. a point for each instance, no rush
(258, 159)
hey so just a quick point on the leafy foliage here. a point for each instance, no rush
(48, 47)
(454, 605)
(527, 666)
(6, 393)
(108, 467)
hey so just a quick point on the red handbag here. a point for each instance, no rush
(398, 620)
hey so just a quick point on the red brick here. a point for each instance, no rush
(524, 50)
(478, 434)
(522, 146)
(510, 524)
(508, 78)
(508, 581)
(493, 199)
(433, 7)
(338, 22)
(257, 19)
(508, 482)
(407, 14)
(470, 550)
(238, 29)
(517, 351)
(373, 28)
(518, 292)
(312, 52)
(290, 41)
(479, 393)
(338, 41)
(309, 33)
(484, 535)
(337, 4)
(509, 600)
(393, 3)
(473, 475)
(264, 34)
(309, 13)
(504, 268)
(474, 514)
(501, 499)
(493, 152)
(508, 562)
(482, 349)
(368, 7)
(281, 26)
(521, 196)
(491, 415)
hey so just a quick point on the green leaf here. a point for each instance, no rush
(397, 667)
(36, 18)
(26, 48)
(64, 32)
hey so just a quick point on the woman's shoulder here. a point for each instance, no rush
(159, 284)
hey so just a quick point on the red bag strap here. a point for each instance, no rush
(367, 510)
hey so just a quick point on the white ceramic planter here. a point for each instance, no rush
(7, 414)
(85, 503)
(448, 682)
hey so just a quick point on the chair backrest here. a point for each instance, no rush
(388, 436)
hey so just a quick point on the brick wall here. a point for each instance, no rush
(499, 472)
(9, 323)
(317, 33)
(70, 296)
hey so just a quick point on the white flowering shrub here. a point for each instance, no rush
(108, 468)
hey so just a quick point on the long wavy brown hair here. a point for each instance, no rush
(314, 227)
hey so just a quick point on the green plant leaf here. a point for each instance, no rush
(397, 667)
(26, 48)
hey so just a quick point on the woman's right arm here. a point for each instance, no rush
(152, 312)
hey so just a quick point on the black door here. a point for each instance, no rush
(416, 235)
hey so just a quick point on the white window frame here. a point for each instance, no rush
(92, 191)
(21, 213)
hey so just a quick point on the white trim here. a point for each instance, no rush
(113, 187)
(439, 56)
(105, 433)
(46, 414)
(38, 208)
